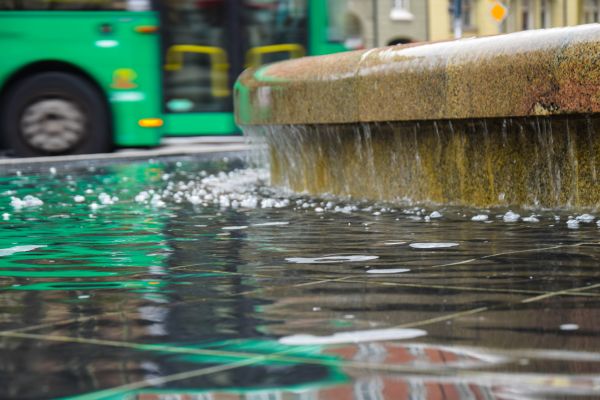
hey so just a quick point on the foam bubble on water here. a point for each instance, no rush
(234, 228)
(78, 199)
(372, 335)
(388, 271)
(319, 209)
(94, 206)
(142, 197)
(480, 217)
(156, 201)
(249, 202)
(442, 245)
(569, 327)
(274, 223)
(572, 223)
(511, 217)
(586, 218)
(26, 202)
(330, 259)
(19, 249)
(6, 216)
(52, 170)
(267, 203)
(532, 219)
(106, 200)
(435, 214)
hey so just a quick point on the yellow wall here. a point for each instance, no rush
(563, 13)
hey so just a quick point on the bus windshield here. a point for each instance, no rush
(76, 5)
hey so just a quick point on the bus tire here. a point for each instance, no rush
(55, 113)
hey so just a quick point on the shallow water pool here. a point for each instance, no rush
(192, 279)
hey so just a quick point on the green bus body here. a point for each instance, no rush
(73, 40)
(128, 63)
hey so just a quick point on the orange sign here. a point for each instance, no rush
(499, 11)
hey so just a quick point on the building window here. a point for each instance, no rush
(526, 15)
(401, 11)
(467, 14)
(591, 11)
(546, 13)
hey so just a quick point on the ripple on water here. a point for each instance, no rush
(330, 259)
(278, 223)
(440, 245)
(373, 335)
(234, 228)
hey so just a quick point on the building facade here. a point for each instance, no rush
(385, 22)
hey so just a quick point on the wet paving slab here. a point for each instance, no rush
(191, 278)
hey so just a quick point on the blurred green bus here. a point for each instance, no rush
(84, 76)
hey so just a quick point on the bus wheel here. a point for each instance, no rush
(55, 113)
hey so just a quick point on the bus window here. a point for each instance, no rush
(196, 60)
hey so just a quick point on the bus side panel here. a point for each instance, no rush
(123, 62)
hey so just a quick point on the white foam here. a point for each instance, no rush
(18, 249)
(511, 217)
(569, 327)
(433, 245)
(330, 259)
(531, 219)
(587, 218)
(572, 223)
(435, 214)
(234, 228)
(394, 243)
(78, 199)
(480, 217)
(275, 223)
(373, 335)
(27, 201)
(388, 271)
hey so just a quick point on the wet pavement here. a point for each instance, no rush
(190, 278)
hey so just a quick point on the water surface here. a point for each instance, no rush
(191, 277)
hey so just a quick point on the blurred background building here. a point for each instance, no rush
(384, 22)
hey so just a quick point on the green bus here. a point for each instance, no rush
(85, 76)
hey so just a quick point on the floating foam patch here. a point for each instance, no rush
(373, 335)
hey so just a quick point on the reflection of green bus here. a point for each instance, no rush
(80, 76)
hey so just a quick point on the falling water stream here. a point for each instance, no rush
(539, 162)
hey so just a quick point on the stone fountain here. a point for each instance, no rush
(503, 120)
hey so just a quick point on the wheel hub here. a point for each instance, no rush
(53, 125)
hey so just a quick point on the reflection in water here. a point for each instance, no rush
(179, 279)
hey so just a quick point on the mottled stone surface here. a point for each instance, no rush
(504, 120)
(534, 161)
(546, 72)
